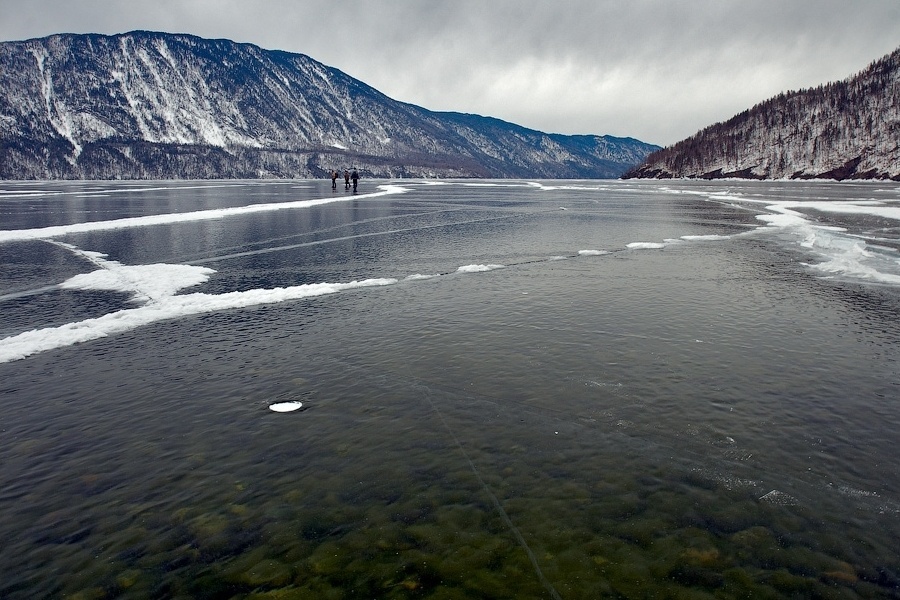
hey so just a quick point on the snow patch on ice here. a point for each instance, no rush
(592, 252)
(784, 219)
(645, 245)
(478, 268)
(147, 282)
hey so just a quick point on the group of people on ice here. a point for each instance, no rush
(348, 177)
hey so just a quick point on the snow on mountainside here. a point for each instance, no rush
(843, 130)
(154, 105)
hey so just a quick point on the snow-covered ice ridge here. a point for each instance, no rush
(12, 235)
(841, 254)
(156, 287)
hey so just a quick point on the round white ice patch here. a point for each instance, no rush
(285, 406)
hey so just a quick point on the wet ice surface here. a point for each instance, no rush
(663, 388)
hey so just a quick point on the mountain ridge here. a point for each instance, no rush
(848, 129)
(150, 105)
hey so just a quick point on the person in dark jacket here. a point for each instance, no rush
(355, 178)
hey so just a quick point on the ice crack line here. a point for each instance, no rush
(509, 524)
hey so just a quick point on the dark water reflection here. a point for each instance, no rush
(704, 420)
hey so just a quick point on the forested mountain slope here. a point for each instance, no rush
(846, 129)
(154, 105)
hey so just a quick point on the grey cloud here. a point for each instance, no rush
(658, 70)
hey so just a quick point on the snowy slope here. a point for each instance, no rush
(846, 129)
(146, 104)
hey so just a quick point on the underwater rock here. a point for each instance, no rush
(88, 594)
(267, 572)
(845, 574)
(691, 575)
(127, 579)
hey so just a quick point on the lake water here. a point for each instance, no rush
(549, 389)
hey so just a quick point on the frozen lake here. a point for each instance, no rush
(506, 389)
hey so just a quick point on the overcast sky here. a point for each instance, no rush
(656, 70)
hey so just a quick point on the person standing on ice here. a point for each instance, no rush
(333, 179)
(355, 178)
(346, 179)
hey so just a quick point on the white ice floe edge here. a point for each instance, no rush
(140, 280)
(172, 307)
(161, 302)
(156, 286)
(13, 235)
(419, 277)
(103, 191)
(841, 255)
(478, 268)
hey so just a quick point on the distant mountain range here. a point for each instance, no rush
(146, 105)
(844, 130)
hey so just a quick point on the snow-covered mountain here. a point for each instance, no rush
(844, 130)
(154, 105)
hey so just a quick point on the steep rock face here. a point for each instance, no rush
(154, 105)
(842, 130)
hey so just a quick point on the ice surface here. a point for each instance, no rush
(163, 308)
(201, 215)
(157, 287)
(850, 258)
(840, 253)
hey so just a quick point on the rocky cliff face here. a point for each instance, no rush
(153, 105)
(847, 129)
